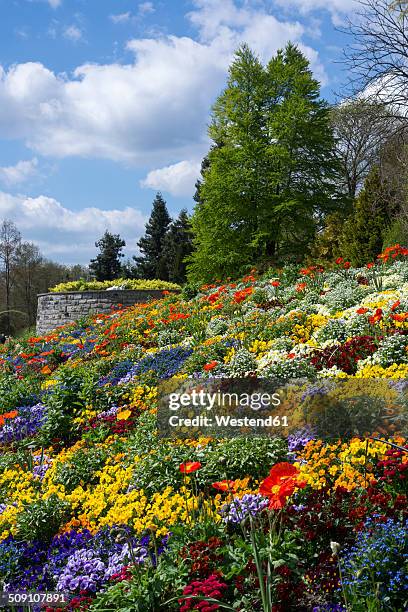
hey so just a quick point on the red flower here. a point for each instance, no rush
(362, 311)
(275, 283)
(370, 265)
(240, 296)
(377, 316)
(339, 260)
(301, 287)
(224, 485)
(347, 265)
(189, 466)
(395, 305)
(210, 366)
(400, 317)
(280, 484)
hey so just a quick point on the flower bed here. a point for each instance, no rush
(119, 283)
(93, 504)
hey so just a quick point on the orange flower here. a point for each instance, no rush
(280, 484)
(210, 366)
(46, 370)
(189, 466)
(395, 305)
(275, 283)
(224, 485)
(362, 311)
(301, 287)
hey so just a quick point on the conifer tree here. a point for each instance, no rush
(177, 246)
(270, 176)
(107, 264)
(364, 229)
(151, 264)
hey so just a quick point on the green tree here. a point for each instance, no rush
(177, 246)
(270, 175)
(364, 230)
(151, 264)
(107, 264)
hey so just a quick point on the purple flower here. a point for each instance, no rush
(241, 508)
(27, 423)
(298, 440)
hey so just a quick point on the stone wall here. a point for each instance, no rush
(55, 309)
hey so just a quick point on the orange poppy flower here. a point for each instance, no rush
(224, 485)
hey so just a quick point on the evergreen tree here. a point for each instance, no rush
(107, 264)
(152, 264)
(270, 176)
(364, 229)
(177, 246)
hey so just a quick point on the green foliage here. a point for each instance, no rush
(123, 283)
(237, 456)
(152, 264)
(42, 519)
(362, 237)
(396, 233)
(270, 174)
(81, 469)
(106, 265)
(327, 247)
(16, 392)
(177, 246)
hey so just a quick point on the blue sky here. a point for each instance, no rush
(104, 102)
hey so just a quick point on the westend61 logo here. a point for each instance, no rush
(218, 402)
(224, 407)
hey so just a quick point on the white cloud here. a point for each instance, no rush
(146, 8)
(66, 234)
(54, 3)
(121, 17)
(337, 8)
(178, 179)
(73, 33)
(151, 112)
(20, 173)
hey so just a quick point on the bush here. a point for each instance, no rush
(42, 519)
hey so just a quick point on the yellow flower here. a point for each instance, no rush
(123, 415)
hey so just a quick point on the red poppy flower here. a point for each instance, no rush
(224, 485)
(280, 484)
(210, 366)
(240, 296)
(189, 466)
